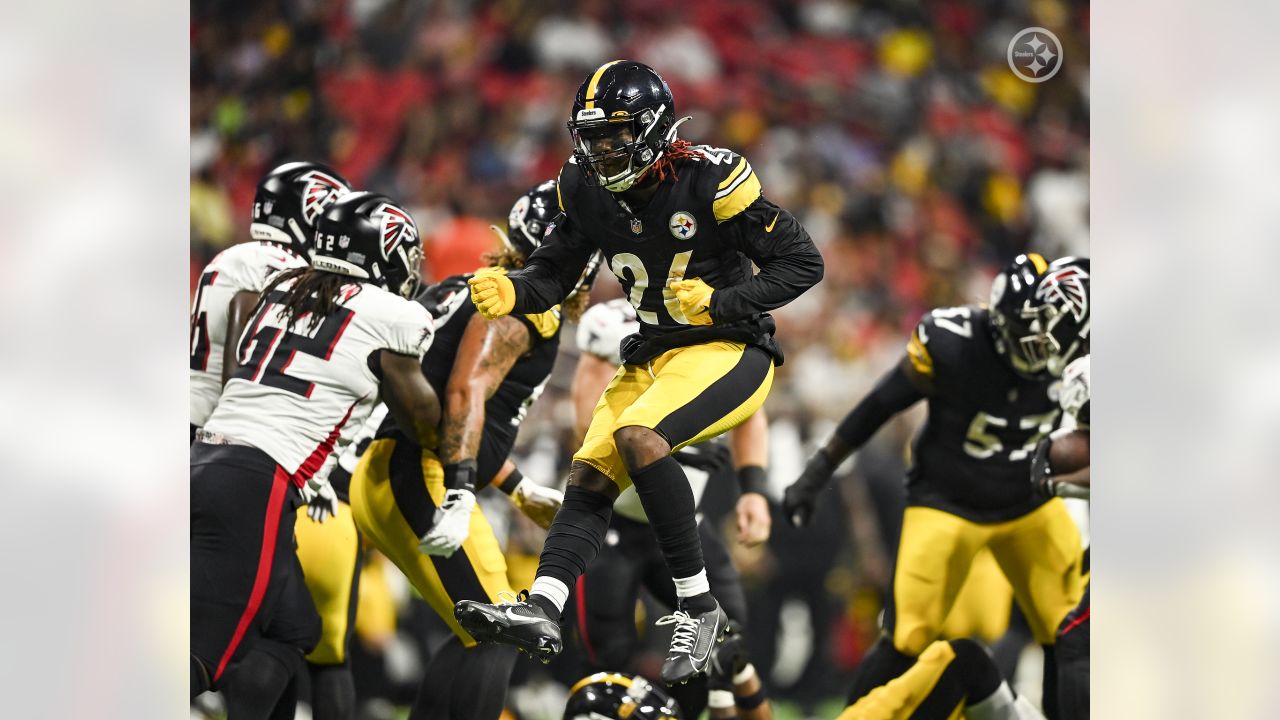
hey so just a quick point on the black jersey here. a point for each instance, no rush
(972, 456)
(709, 221)
(450, 301)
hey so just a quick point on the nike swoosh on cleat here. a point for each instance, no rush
(769, 228)
(520, 619)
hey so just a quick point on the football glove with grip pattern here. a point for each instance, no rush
(451, 524)
(694, 296)
(492, 292)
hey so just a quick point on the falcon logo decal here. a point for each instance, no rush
(320, 192)
(1065, 288)
(397, 227)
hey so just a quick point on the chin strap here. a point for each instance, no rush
(502, 235)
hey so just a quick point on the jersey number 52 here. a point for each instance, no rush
(267, 349)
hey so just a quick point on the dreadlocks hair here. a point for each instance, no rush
(316, 292)
(679, 149)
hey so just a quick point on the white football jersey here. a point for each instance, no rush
(604, 325)
(1075, 393)
(296, 392)
(247, 266)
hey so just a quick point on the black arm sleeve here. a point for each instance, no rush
(789, 262)
(553, 270)
(893, 394)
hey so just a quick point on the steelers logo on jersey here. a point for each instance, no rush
(682, 225)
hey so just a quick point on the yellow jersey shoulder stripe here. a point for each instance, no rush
(737, 171)
(595, 83)
(736, 197)
(921, 360)
(547, 323)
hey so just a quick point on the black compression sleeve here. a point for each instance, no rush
(893, 394)
(789, 262)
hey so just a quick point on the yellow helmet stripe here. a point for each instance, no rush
(595, 81)
(618, 678)
(1038, 260)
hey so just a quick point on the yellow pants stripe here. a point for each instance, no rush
(901, 697)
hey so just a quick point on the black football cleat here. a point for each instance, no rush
(693, 643)
(728, 659)
(520, 623)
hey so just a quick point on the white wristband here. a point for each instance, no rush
(719, 699)
(747, 673)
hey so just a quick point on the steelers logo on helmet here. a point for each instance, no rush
(289, 202)
(682, 225)
(530, 218)
(623, 120)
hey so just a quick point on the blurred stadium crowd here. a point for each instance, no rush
(893, 130)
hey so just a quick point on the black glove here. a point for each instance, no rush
(1042, 482)
(707, 457)
(800, 497)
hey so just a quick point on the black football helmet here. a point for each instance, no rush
(624, 118)
(529, 217)
(534, 215)
(614, 696)
(370, 237)
(289, 201)
(1040, 313)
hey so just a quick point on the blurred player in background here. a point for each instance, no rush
(950, 679)
(990, 375)
(416, 502)
(680, 227)
(325, 341)
(1061, 465)
(631, 559)
(288, 201)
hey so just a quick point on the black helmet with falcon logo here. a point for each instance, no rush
(1040, 313)
(372, 238)
(289, 201)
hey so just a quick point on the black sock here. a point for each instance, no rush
(881, 665)
(333, 692)
(432, 702)
(1049, 697)
(978, 672)
(480, 690)
(574, 539)
(256, 685)
(668, 501)
(691, 696)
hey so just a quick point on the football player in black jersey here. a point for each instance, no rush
(417, 503)
(680, 227)
(990, 376)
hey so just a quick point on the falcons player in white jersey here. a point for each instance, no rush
(326, 341)
(288, 202)
(631, 558)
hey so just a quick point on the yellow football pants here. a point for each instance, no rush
(1039, 553)
(330, 557)
(688, 395)
(394, 493)
(901, 697)
(981, 609)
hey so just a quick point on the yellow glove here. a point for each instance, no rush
(695, 299)
(492, 292)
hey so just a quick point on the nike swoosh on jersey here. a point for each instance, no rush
(769, 227)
